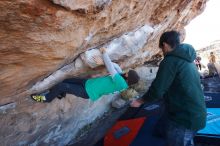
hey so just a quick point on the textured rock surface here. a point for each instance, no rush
(44, 41)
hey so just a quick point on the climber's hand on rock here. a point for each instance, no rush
(102, 50)
(98, 60)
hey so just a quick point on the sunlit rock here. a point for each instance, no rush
(42, 42)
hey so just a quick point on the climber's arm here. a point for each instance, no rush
(117, 68)
(108, 63)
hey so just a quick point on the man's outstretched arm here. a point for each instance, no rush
(160, 85)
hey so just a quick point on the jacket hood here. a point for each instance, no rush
(184, 51)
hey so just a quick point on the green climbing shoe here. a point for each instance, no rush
(39, 98)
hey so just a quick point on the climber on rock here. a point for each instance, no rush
(92, 88)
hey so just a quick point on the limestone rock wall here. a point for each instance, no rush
(38, 37)
(43, 42)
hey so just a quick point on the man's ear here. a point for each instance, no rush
(165, 45)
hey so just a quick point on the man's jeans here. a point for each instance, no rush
(177, 135)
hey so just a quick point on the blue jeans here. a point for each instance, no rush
(177, 135)
(73, 86)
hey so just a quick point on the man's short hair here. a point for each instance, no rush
(172, 38)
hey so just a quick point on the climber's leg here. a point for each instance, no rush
(61, 89)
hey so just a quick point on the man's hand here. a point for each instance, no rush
(136, 103)
(102, 50)
(98, 60)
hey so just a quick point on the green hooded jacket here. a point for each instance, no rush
(178, 81)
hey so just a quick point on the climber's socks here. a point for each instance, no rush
(62, 95)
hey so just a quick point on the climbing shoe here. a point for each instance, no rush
(39, 98)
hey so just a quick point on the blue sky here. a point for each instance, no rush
(205, 28)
